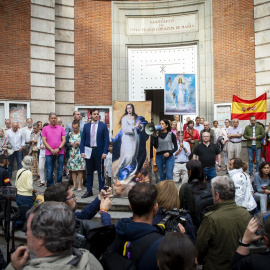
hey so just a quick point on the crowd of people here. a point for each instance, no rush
(219, 214)
(222, 240)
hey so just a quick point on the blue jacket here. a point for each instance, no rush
(90, 211)
(128, 230)
(259, 183)
(102, 138)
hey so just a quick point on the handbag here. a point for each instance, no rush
(8, 152)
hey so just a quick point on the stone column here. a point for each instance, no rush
(42, 59)
(64, 59)
(262, 49)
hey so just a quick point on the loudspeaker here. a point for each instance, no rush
(151, 128)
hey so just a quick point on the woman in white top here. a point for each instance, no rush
(41, 161)
(216, 130)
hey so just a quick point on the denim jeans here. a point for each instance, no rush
(210, 173)
(18, 156)
(24, 203)
(50, 162)
(161, 161)
(262, 198)
(251, 151)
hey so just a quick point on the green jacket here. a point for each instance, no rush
(259, 134)
(219, 233)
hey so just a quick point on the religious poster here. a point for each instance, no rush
(131, 145)
(180, 94)
(18, 113)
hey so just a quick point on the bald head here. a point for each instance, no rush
(206, 125)
(235, 123)
(59, 121)
(15, 126)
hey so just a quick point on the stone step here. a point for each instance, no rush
(115, 217)
(118, 204)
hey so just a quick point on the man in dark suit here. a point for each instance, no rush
(96, 137)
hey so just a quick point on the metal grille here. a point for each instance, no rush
(147, 67)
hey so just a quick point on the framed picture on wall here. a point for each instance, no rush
(105, 113)
(180, 95)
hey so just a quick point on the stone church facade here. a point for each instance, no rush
(62, 55)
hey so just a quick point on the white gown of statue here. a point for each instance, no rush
(181, 98)
(129, 144)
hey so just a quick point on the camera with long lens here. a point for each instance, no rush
(170, 222)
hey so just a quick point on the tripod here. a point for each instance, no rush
(7, 229)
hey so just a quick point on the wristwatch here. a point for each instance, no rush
(242, 244)
(59, 148)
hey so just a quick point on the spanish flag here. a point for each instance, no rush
(242, 109)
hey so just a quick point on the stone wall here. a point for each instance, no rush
(262, 48)
(42, 59)
(52, 59)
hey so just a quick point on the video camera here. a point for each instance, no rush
(8, 192)
(173, 217)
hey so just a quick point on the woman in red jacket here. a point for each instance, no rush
(191, 135)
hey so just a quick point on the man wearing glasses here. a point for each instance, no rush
(207, 152)
(61, 192)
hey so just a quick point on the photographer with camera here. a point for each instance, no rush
(242, 259)
(61, 192)
(168, 214)
(136, 238)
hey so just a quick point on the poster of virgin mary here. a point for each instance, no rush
(180, 94)
(131, 145)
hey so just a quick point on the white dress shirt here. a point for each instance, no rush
(199, 128)
(16, 139)
(39, 144)
(27, 133)
(95, 144)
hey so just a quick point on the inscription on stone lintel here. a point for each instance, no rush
(161, 25)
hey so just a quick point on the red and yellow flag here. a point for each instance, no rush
(242, 109)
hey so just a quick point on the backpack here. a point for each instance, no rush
(93, 236)
(202, 200)
(132, 253)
